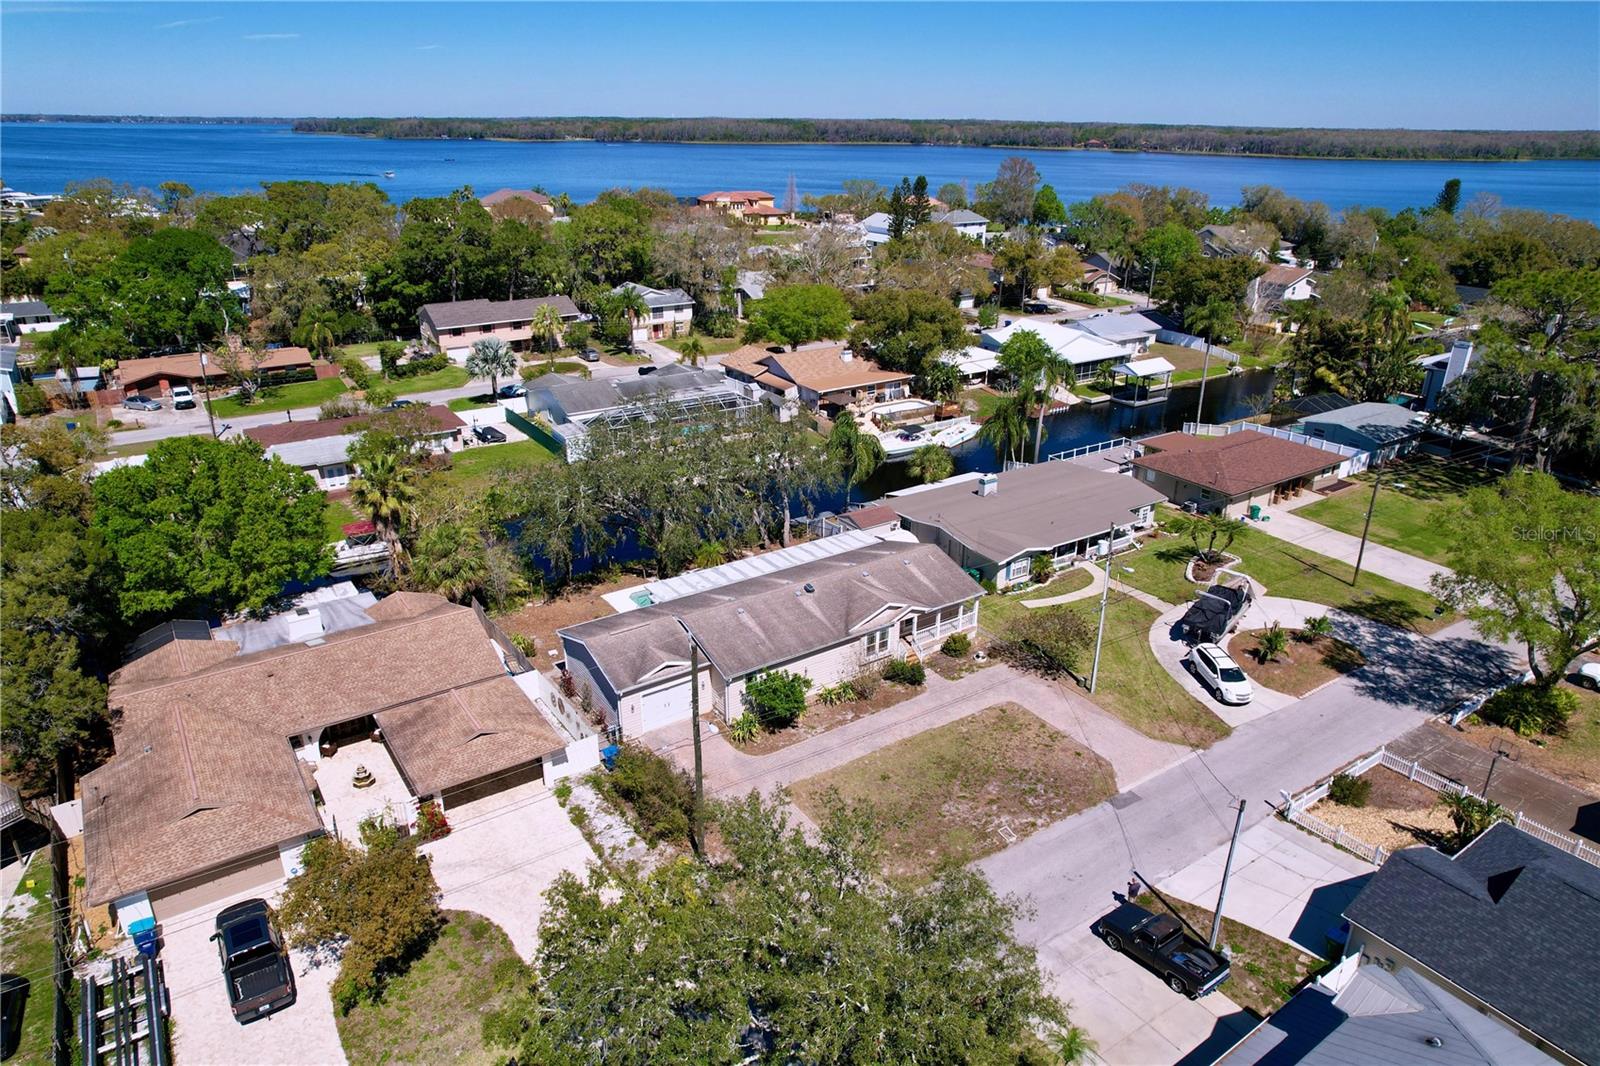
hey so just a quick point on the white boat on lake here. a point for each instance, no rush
(899, 443)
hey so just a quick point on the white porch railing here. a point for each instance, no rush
(1089, 449)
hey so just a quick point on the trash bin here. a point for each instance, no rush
(608, 756)
(144, 935)
(1255, 512)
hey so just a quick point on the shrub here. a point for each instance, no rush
(576, 335)
(865, 683)
(988, 316)
(427, 364)
(660, 795)
(431, 822)
(1271, 643)
(718, 323)
(989, 585)
(562, 790)
(1047, 641)
(341, 406)
(1316, 628)
(1041, 569)
(379, 395)
(956, 645)
(902, 672)
(381, 900)
(1348, 790)
(1529, 710)
(744, 729)
(843, 692)
(356, 371)
(528, 373)
(389, 354)
(31, 399)
(777, 698)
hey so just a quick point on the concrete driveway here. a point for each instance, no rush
(1285, 883)
(1133, 1016)
(503, 852)
(204, 1031)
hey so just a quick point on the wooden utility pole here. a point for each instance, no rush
(1372, 504)
(1227, 868)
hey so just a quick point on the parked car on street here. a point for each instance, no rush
(399, 405)
(141, 403)
(488, 434)
(590, 355)
(647, 369)
(182, 397)
(1036, 307)
(254, 961)
(1160, 943)
(1218, 672)
(1589, 674)
(511, 392)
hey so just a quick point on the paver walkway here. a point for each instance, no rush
(730, 772)
(1379, 559)
(1544, 799)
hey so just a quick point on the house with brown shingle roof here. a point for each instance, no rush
(820, 377)
(1232, 471)
(157, 374)
(212, 789)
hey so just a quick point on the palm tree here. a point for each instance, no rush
(1006, 429)
(546, 325)
(490, 359)
(1389, 315)
(629, 302)
(857, 454)
(450, 560)
(693, 349)
(1053, 371)
(930, 463)
(383, 490)
(1471, 815)
(1208, 320)
(319, 337)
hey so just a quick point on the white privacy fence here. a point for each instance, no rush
(1189, 340)
(1297, 810)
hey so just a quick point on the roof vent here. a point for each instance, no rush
(988, 484)
(1433, 1041)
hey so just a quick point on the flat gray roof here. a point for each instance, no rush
(1380, 421)
(1036, 507)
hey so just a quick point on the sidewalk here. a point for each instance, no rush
(1383, 561)
(1544, 799)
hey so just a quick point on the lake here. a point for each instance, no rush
(44, 157)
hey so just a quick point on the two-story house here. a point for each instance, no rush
(453, 327)
(671, 312)
(749, 205)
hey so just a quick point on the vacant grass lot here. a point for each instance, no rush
(942, 796)
(1266, 970)
(28, 954)
(335, 516)
(1285, 570)
(281, 398)
(483, 462)
(1411, 497)
(434, 1011)
(451, 377)
(712, 345)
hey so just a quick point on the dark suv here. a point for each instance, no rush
(254, 962)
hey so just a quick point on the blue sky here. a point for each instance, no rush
(1479, 65)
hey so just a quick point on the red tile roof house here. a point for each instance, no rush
(751, 205)
(212, 790)
(452, 327)
(321, 447)
(1229, 473)
(518, 203)
(823, 377)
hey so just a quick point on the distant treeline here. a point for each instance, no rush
(1219, 140)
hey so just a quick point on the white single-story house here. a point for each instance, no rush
(1086, 352)
(874, 229)
(1133, 333)
(827, 619)
(994, 525)
(974, 363)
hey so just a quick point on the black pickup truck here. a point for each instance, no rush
(1159, 941)
(254, 962)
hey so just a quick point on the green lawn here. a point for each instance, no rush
(942, 796)
(434, 1011)
(364, 350)
(1002, 607)
(987, 401)
(713, 345)
(451, 377)
(281, 398)
(1426, 320)
(28, 953)
(470, 403)
(484, 461)
(1093, 299)
(335, 516)
(1285, 570)
(1412, 494)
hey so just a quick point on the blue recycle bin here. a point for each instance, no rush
(608, 756)
(143, 931)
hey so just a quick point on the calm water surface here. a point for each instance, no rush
(44, 157)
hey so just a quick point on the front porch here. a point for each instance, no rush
(344, 805)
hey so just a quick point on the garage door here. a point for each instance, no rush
(663, 706)
(256, 873)
(475, 790)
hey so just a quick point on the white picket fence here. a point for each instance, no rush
(1296, 810)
